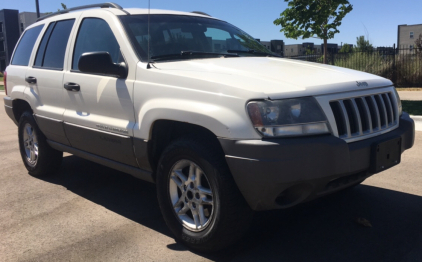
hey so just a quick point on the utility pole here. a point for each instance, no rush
(38, 8)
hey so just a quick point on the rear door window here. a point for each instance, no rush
(52, 49)
(95, 35)
(25, 46)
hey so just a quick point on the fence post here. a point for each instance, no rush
(332, 58)
(394, 77)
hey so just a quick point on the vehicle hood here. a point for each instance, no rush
(273, 78)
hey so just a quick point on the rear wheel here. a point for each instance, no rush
(199, 200)
(39, 158)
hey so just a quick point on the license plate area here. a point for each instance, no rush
(386, 154)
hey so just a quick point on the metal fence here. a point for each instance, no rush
(402, 66)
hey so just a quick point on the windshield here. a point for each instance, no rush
(172, 36)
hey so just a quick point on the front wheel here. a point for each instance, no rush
(198, 198)
(39, 158)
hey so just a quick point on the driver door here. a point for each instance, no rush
(99, 116)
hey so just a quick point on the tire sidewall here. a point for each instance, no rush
(27, 118)
(167, 162)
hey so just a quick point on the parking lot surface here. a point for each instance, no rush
(87, 212)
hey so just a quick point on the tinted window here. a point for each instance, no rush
(171, 34)
(95, 35)
(25, 46)
(43, 44)
(56, 45)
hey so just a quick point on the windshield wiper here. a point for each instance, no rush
(188, 54)
(252, 51)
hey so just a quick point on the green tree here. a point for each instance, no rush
(363, 45)
(346, 48)
(308, 18)
(63, 6)
(309, 51)
(418, 44)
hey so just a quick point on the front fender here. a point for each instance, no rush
(222, 121)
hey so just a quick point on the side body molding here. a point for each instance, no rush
(52, 128)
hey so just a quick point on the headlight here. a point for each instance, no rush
(289, 117)
(400, 107)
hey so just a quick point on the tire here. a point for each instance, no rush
(225, 220)
(38, 157)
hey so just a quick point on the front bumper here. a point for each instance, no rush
(283, 172)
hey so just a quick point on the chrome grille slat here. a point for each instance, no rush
(377, 112)
(390, 108)
(384, 110)
(364, 115)
(368, 114)
(357, 115)
(346, 118)
(395, 109)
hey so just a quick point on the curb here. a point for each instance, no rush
(418, 122)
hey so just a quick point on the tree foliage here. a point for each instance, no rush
(363, 45)
(309, 51)
(418, 44)
(63, 6)
(308, 18)
(346, 48)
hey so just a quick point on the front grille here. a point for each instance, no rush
(364, 115)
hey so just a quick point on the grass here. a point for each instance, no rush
(1, 84)
(412, 107)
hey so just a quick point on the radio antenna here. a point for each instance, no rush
(149, 37)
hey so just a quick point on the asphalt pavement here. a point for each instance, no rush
(87, 212)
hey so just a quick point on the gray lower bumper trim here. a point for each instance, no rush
(136, 172)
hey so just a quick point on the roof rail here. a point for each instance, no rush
(200, 13)
(102, 5)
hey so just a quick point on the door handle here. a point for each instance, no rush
(72, 87)
(31, 80)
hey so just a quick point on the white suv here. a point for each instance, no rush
(197, 106)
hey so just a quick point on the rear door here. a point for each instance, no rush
(20, 61)
(99, 117)
(45, 79)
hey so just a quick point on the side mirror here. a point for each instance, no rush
(101, 63)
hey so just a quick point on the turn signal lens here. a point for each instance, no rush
(255, 114)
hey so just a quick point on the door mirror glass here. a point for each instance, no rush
(102, 64)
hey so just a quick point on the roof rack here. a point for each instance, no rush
(201, 13)
(102, 5)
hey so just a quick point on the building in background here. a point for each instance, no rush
(406, 36)
(293, 50)
(275, 46)
(385, 50)
(9, 35)
(12, 25)
(331, 48)
(26, 19)
(308, 48)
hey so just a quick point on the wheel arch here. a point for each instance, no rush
(164, 132)
(19, 107)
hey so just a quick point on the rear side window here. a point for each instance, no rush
(52, 48)
(95, 35)
(43, 45)
(25, 46)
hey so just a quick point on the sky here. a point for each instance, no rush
(375, 19)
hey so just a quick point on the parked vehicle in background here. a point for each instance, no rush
(197, 106)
